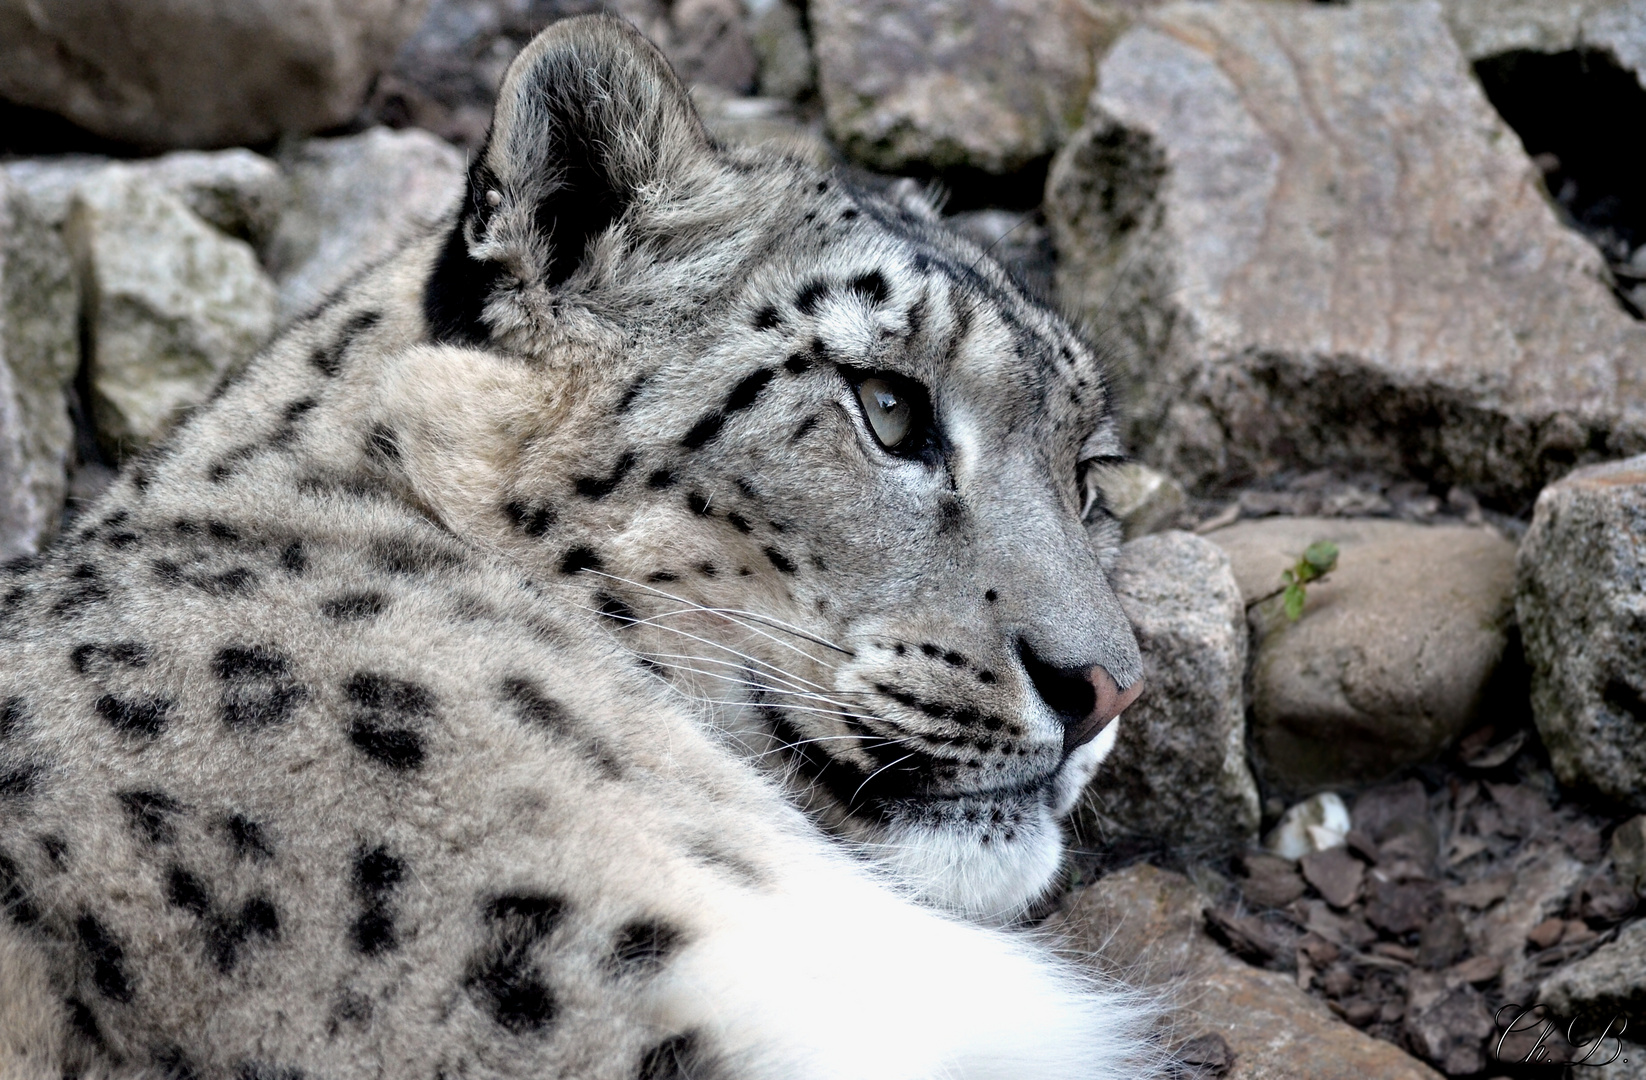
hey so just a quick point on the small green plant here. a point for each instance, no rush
(1317, 560)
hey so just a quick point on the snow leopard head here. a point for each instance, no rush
(818, 459)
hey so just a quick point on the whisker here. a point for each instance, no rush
(667, 659)
(713, 645)
(745, 658)
(722, 613)
(767, 620)
(876, 773)
(840, 711)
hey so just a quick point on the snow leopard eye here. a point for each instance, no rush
(890, 415)
(898, 412)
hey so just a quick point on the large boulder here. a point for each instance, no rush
(1489, 27)
(1394, 655)
(354, 201)
(39, 351)
(1178, 769)
(941, 84)
(199, 73)
(1581, 598)
(1147, 926)
(170, 303)
(1313, 243)
(151, 235)
(241, 193)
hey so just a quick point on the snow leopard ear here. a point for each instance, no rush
(589, 115)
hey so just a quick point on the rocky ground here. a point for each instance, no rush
(1371, 273)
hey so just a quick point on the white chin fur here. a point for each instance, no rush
(1080, 767)
(992, 882)
(950, 869)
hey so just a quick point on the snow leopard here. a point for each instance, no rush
(653, 625)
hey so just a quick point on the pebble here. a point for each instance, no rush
(1315, 824)
(1335, 873)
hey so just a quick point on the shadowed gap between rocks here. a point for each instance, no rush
(1582, 118)
(966, 188)
(26, 132)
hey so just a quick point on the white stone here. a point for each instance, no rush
(1318, 823)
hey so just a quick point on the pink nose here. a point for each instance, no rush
(1111, 702)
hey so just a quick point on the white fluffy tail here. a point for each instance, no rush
(838, 978)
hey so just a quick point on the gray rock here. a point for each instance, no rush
(1611, 981)
(237, 191)
(942, 83)
(1315, 244)
(241, 193)
(778, 34)
(1543, 876)
(39, 352)
(1447, 1023)
(1145, 500)
(1581, 598)
(170, 303)
(197, 73)
(1147, 926)
(1394, 654)
(1178, 770)
(708, 44)
(1618, 27)
(1629, 853)
(49, 183)
(355, 200)
(1629, 1062)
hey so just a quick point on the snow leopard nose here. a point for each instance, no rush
(1108, 702)
(1086, 699)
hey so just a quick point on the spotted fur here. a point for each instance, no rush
(533, 665)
